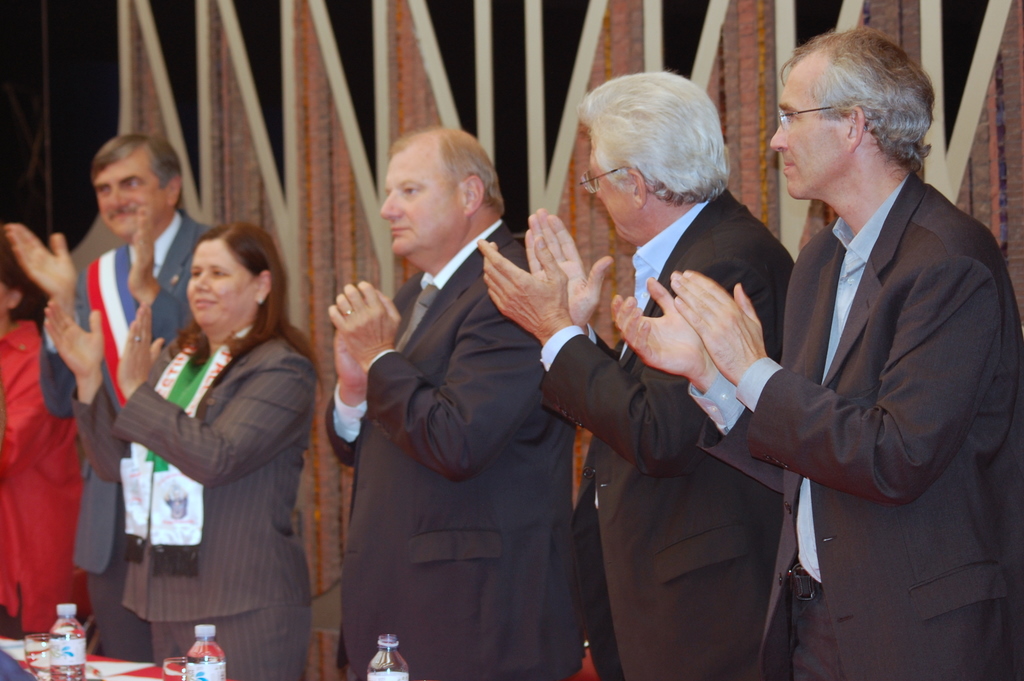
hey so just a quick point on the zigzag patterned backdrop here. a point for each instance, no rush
(321, 199)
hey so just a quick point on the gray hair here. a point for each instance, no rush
(867, 69)
(664, 126)
(163, 160)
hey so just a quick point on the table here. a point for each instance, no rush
(109, 669)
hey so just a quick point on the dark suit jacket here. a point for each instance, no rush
(245, 446)
(94, 540)
(459, 535)
(914, 443)
(687, 541)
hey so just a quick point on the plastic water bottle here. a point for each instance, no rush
(67, 645)
(205, 657)
(388, 664)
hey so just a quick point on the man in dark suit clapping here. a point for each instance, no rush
(459, 536)
(674, 547)
(894, 424)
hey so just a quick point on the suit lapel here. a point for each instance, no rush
(813, 361)
(703, 223)
(173, 269)
(860, 310)
(469, 272)
(710, 216)
(881, 255)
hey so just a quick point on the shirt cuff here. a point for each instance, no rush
(348, 420)
(754, 379)
(555, 343)
(719, 403)
(381, 354)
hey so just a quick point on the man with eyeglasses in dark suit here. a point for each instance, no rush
(674, 548)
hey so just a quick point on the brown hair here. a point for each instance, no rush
(254, 248)
(33, 300)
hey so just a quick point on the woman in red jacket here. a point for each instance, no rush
(40, 482)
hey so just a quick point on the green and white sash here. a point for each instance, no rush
(162, 504)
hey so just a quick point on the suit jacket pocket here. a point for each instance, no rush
(700, 550)
(454, 545)
(957, 588)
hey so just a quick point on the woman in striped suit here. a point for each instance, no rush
(211, 441)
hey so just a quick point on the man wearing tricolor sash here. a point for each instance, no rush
(137, 179)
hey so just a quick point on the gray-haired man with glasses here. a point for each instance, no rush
(785, 117)
(589, 181)
(894, 424)
(673, 547)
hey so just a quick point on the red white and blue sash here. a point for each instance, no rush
(107, 288)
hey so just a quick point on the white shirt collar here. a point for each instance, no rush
(446, 272)
(649, 260)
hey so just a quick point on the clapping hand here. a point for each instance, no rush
(81, 350)
(51, 269)
(352, 378)
(537, 301)
(368, 321)
(140, 352)
(727, 324)
(668, 342)
(141, 283)
(584, 290)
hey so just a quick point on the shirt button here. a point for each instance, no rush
(588, 472)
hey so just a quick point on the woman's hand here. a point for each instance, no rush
(140, 352)
(81, 350)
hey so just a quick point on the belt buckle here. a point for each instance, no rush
(802, 583)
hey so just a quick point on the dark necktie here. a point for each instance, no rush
(423, 301)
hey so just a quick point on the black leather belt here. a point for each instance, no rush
(804, 586)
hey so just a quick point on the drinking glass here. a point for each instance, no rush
(174, 668)
(37, 655)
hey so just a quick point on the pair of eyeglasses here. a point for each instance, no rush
(786, 116)
(590, 181)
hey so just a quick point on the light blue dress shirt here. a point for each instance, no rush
(748, 392)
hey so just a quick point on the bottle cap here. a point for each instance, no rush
(387, 640)
(206, 630)
(66, 609)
